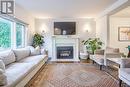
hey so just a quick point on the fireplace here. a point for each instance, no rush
(65, 52)
(65, 48)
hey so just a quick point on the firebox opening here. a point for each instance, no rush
(65, 52)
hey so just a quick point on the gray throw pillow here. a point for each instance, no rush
(21, 53)
(7, 57)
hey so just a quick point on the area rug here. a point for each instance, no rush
(72, 75)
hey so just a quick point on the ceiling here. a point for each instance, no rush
(123, 13)
(65, 8)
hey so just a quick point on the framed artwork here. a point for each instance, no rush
(124, 33)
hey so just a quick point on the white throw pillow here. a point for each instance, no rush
(35, 51)
(21, 53)
(3, 78)
(2, 65)
(43, 51)
(7, 57)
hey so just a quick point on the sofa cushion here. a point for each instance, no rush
(99, 59)
(3, 78)
(15, 72)
(2, 65)
(34, 59)
(125, 73)
(21, 53)
(7, 57)
(125, 63)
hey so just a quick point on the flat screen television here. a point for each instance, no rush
(64, 28)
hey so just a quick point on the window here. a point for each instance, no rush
(20, 35)
(5, 33)
(12, 34)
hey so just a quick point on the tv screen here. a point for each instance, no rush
(64, 28)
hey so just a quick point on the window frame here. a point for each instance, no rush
(23, 33)
(11, 23)
(13, 44)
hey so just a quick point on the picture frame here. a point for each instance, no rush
(124, 33)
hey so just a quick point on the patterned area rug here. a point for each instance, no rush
(72, 75)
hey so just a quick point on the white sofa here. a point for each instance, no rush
(20, 67)
(124, 72)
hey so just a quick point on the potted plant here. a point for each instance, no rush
(92, 44)
(37, 40)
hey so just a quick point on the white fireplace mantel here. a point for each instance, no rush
(65, 41)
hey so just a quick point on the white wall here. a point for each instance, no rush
(116, 22)
(82, 24)
(23, 15)
(102, 29)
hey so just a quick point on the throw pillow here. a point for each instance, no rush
(21, 53)
(43, 51)
(112, 50)
(7, 57)
(35, 51)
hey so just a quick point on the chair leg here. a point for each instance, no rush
(120, 82)
(93, 62)
(100, 67)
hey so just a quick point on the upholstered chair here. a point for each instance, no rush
(124, 71)
(111, 53)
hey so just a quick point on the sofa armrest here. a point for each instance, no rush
(125, 63)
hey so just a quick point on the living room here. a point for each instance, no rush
(65, 43)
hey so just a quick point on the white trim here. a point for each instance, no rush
(23, 36)
(114, 6)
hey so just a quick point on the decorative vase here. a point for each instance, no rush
(64, 32)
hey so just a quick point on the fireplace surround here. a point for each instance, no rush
(66, 44)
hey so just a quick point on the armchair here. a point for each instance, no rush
(100, 56)
(111, 53)
(124, 71)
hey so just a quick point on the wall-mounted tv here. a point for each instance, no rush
(64, 28)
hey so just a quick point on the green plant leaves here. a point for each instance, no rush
(38, 40)
(93, 44)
